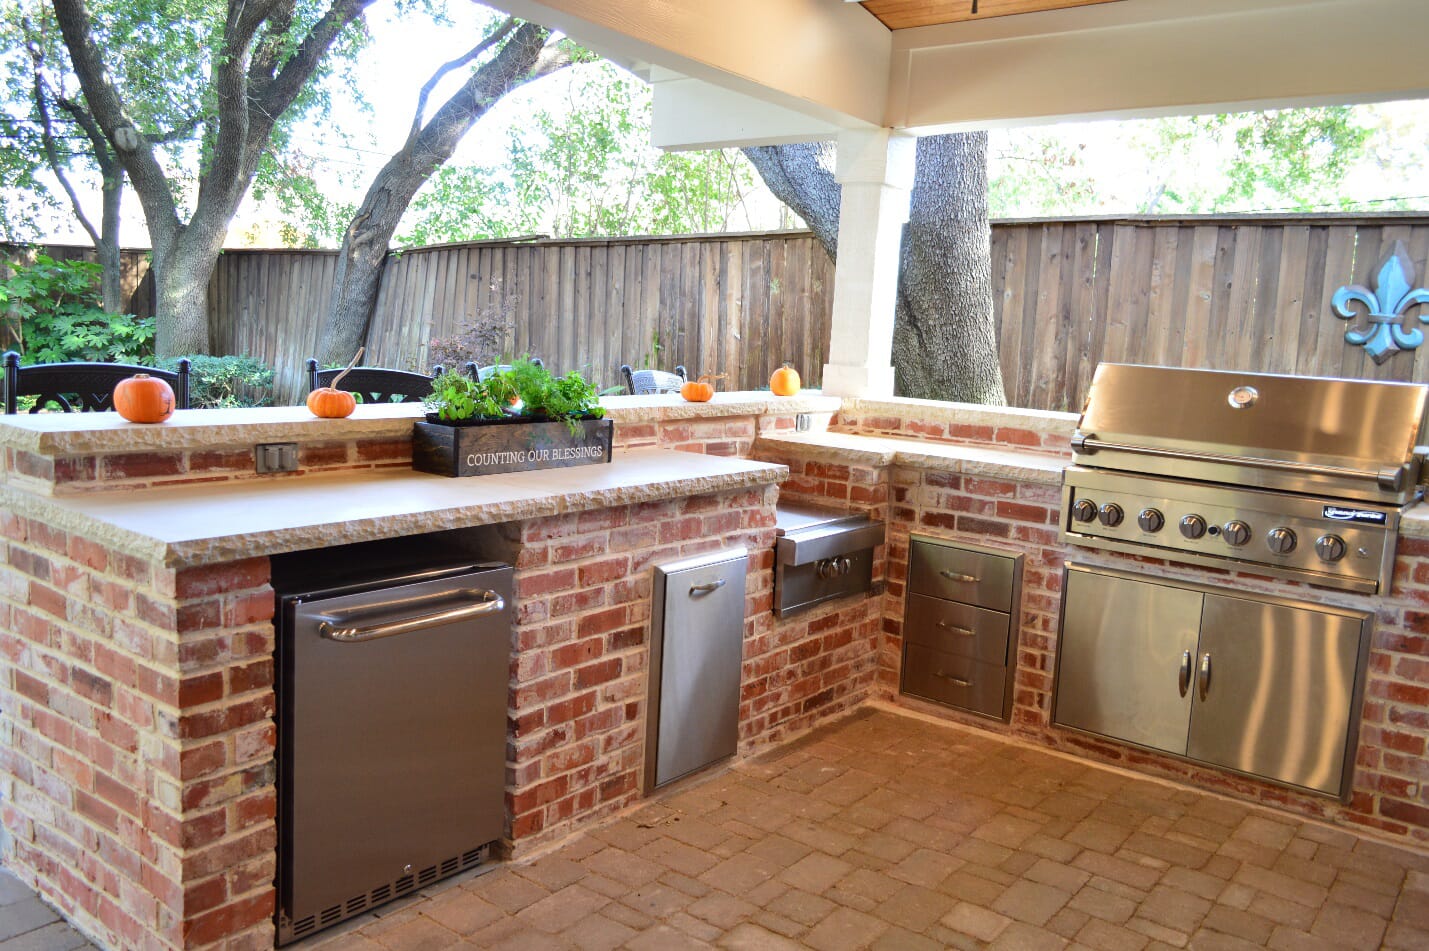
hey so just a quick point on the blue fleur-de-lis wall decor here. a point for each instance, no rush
(1385, 308)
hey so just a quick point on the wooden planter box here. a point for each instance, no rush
(489, 447)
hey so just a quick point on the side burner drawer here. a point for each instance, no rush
(957, 628)
(961, 574)
(949, 678)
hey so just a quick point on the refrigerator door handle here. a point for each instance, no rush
(338, 629)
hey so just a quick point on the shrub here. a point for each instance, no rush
(58, 306)
(226, 382)
(479, 338)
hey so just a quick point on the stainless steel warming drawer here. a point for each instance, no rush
(958, 637)
(820, 555)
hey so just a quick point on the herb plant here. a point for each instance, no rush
(527, 390)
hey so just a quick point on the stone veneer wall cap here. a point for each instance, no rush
(940, 411)
(78, 434)
(1415, 523)
(186, 526)
(668, 406)
(851, 448)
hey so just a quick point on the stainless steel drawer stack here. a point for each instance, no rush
(958, 633)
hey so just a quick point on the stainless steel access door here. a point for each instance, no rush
(696, 651)
(1275, 691)
(1124, 661)
(396, 727)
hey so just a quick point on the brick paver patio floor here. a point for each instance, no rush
(891, 832)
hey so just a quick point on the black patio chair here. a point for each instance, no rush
(376, 384)
(482, 373)
(644, 382)
(81, 387)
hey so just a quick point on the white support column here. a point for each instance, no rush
(876, 171)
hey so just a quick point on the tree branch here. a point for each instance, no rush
(47, 133)
(491, 39)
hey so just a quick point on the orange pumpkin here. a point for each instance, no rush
(330, 403)
(144, 399)
(785, 381)
(698, 391)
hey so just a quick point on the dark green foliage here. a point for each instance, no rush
(528, 387)
(226, 382)
(58, 306)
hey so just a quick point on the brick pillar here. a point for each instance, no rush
(137, 754)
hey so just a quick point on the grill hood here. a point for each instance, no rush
(1351, 439)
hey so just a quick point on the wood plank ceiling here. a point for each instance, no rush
(901, 14)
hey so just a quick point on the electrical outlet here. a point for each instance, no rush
(276, 456)
(803, 422)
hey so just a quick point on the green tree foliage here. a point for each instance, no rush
(1280, 160)
(57, 304)
(226, 382)
(586, 168)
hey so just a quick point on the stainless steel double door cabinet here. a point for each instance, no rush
(392, 743)
(1263, 686)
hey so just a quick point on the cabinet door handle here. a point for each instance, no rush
(956, 681)
(954, 629)
(959, 576)
(1184, 681)
(1203, 676)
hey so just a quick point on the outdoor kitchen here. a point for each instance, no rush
(492, 657)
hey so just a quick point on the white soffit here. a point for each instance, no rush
(816, 58)
(1157, 57)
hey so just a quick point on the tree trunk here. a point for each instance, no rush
(111, 274)
(523, 58)
(181, 276)
(944, 339)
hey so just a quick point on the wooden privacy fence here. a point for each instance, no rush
(1216, 292)
(1223, 292)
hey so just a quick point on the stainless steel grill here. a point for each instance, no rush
(1296, 477)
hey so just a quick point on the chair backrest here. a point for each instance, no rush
(483, 373)
(82, 387)
(376, 384)
(644, 382)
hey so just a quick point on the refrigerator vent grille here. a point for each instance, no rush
(360, 903)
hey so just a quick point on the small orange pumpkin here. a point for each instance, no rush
(699, 391)
(142, 398)
(331, 403)
(328, 402)
(785, 381)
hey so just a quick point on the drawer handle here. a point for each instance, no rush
(959, 576)
(956, 681)
(954, 629)
(707, 587)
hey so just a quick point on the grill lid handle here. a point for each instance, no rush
(1390, 478)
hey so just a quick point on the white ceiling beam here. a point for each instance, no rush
(828, 61)
(692, 114)
(1157, 57)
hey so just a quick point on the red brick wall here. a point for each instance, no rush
(1391, 785)
(1007, 435)
(137, 705)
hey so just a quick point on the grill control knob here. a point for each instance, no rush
(1111, 515)
(1084, 510)
(1193, 526)
(1281, 541)
(1151, 520)
(1330, 547)
(1236, 532)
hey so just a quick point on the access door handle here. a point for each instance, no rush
(1203, 676)
(959, 577)
(336, 630)
(1184, 680)
(706, 587)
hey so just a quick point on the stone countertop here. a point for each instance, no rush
(205, 524)
(850, 448)
(77, 434)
